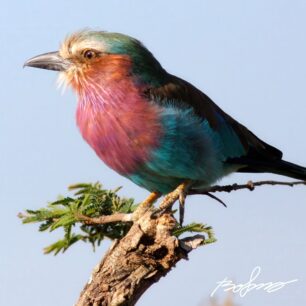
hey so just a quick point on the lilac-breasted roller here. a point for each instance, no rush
(150, 126)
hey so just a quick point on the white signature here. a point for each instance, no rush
(243, 289)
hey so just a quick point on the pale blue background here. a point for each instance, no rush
(249, 56)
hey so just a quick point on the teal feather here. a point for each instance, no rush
(189, 149)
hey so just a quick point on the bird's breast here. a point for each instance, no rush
(120, 126)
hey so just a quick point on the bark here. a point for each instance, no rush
(137, 261)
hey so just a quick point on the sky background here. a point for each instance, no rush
(248, 56)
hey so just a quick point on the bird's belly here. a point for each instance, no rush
(188, 150)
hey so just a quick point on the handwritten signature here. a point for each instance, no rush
(244, 289)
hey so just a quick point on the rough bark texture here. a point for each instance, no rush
(137, 261)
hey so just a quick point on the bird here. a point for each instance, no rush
(150, 126)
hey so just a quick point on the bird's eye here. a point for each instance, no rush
(89, 54)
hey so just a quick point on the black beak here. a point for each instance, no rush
(50, 61)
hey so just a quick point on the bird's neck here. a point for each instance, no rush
(114, 118)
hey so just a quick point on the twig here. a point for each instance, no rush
(119, 217)
(249, 185)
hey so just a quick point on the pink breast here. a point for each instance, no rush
(121, 126)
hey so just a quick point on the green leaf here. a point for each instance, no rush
(90, 200)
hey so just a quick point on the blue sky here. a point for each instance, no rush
(248, 56)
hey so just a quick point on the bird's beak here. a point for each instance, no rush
(50, 61)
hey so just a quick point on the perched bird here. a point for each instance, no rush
(150, 126)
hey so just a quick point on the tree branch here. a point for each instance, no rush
(149, 250)
(249, 185)
(117, 217)
(146, 243)
(137, 261)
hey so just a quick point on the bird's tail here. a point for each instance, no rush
(285, 168)
(280, 167)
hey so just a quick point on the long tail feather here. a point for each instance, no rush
(280, 167)
(283, 167)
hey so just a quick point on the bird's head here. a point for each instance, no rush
(100, 56)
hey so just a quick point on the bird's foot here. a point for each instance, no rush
(182, 198)
(145, 205)
(178, 194)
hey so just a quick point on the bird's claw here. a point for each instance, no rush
(182, 198)
(178, 194)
